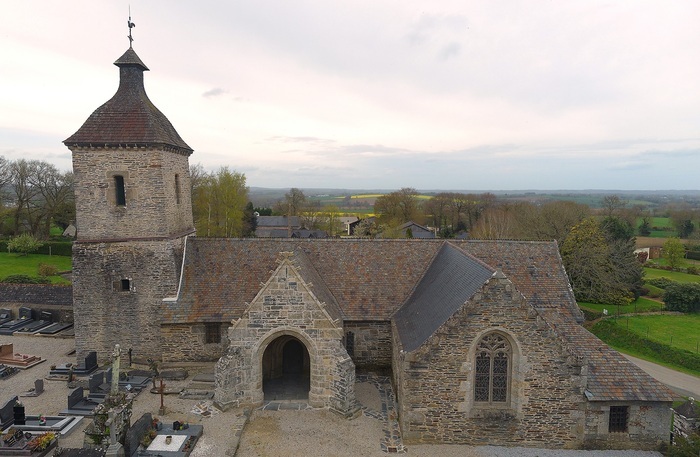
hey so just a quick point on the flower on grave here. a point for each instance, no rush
(42, 441)
(18, 403)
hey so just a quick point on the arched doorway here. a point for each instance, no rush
(286, 370)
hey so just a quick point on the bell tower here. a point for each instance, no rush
(133, 213)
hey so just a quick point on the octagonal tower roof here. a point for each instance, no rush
(129, 118)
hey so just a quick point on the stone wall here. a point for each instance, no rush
(648, 426)
(57, 300)
(285, 307)
(104, 313)
(186, 343)
(152, 208)
(371, 343)
(435, 383)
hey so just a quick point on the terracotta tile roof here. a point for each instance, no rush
(452, 278)
(129, 118)
(369, 279)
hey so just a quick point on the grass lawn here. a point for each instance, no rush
(640, 305)
(13, 264)
(681, 331)
(653, 273)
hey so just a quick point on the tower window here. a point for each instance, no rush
(618, 419)
(177, 189)
(120, 191)
(125, 285)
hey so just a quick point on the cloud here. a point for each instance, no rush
(215, 92)
(451, 50)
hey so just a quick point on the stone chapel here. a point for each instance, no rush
(483, 339)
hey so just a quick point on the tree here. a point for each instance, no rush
(645, 226)
(367, 228)
(57, 199)
(592, 272)
(550, 221)
(218, 203)
(612, 205)
(293, 204)
(674, 252)
(494, 224)
(24, 244)
(398, 207)
(250, 220)
(616, 228)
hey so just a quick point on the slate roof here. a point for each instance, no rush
(452, 278)
(611, 377)
(279, 221)
(129, 118)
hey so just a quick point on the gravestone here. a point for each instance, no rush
(36, 391)
(7, 416)
(136, 432)
(25, 313)
(90, 362)
(18, 413)
(75, 397)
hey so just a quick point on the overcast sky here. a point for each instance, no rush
(477, 95)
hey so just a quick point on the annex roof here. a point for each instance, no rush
(129, 118)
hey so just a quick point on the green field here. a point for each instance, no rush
(653, 273)
(680, 331)
(14, 264)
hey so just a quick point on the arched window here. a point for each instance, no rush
(492, 373)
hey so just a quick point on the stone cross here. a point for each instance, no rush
(112, 428)
(115, 369)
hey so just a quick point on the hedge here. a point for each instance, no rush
(64, 248)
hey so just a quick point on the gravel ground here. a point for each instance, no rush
(269, 433)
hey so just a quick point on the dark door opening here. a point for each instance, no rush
(286, 370)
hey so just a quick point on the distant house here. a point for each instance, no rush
(348, 224)
(413, 230)
(277, 226)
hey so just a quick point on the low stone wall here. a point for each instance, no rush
(57, 300)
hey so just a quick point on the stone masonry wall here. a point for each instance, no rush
(186, 343)
(105, 314)
(648, 426)
(286, 307)
(435, 383)
(371, 343)
(152, 208)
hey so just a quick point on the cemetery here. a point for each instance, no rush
(96, 418)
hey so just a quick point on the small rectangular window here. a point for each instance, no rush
(125, 284)
(177, 189)
(350, 343)
(618, 419)
(212, 333)
(120, 191)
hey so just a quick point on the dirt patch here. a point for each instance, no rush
(368, 396)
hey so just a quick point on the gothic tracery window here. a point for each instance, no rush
(492, 369)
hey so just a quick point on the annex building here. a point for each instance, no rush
(483, 339)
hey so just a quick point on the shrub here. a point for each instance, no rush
(662, 282)
(683, 297)
(24, 244)
(47, 270)
(24, 279)
(692, 270)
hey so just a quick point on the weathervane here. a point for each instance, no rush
(131, 26)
